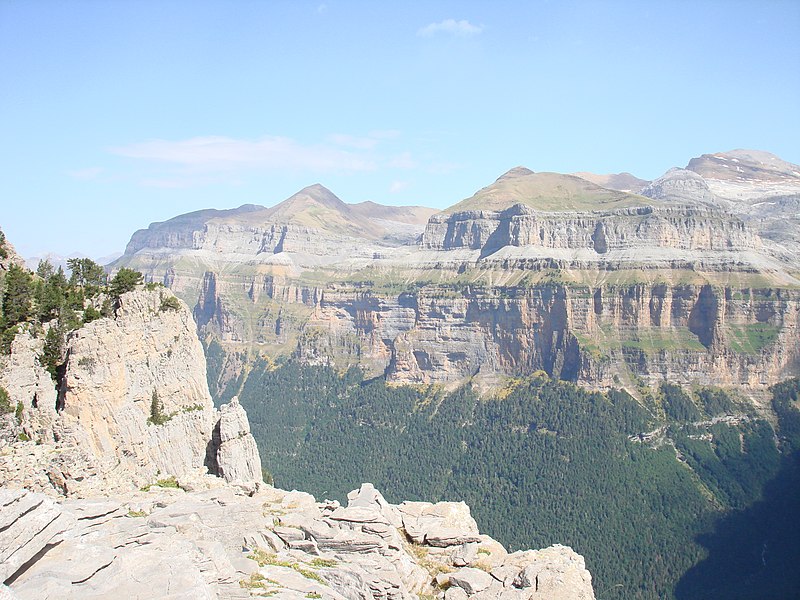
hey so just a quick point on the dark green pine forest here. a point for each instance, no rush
(662, 499)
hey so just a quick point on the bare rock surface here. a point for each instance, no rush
(168, 543)
(131, 408)
(237, 454)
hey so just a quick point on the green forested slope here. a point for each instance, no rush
(548, 463)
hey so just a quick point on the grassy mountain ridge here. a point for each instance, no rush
(546, 192)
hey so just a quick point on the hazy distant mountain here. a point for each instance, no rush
(61, 261)
(624, 182)
(759, 187)
(749, 166)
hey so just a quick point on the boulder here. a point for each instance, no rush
(464, 555)
(471, 580)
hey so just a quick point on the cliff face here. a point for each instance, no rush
(131, 405)
(677, 332)
(667, 228)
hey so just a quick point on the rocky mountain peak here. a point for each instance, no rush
(623, 182)
(745, 165)
(680, 186)
(515, 172)
(310, 195)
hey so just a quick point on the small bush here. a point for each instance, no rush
(170, 303)
(267, 477)
(157, 415)
(169, 482)
(91, 314)
(5, 401)
(87, 361)
(307, 573)
(6, 338)
(323, 562)
(255, 582)
(268, 558)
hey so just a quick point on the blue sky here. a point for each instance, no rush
(117, 114)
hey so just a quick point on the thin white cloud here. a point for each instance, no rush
(217, 153)
(450, 27)
(85, 174)
(397, 186)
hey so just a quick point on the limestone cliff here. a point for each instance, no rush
(131, 405)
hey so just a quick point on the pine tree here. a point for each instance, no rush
(17, 296)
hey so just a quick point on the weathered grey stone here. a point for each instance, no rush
(368, 497)
(465, 554)
(289, 534)
(471, 580)
(351, 584)
(264, 539)
(443, 537)
(33, 522)
(527, 577)
(505, 574)
(351, 542)
(441, 524)
(455, 593)
(307, 546)
(237, 454)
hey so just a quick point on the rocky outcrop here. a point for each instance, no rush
(124, 444)
(29, 524)
(134, 384)
(132, 406)
(222, 543)
(8, 254)
(237, 457)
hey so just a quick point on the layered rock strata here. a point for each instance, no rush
(131, 406)
(691, 281)
(222, 543)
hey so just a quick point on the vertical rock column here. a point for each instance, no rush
(237, 458)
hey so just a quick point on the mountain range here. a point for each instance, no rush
(548, 271)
